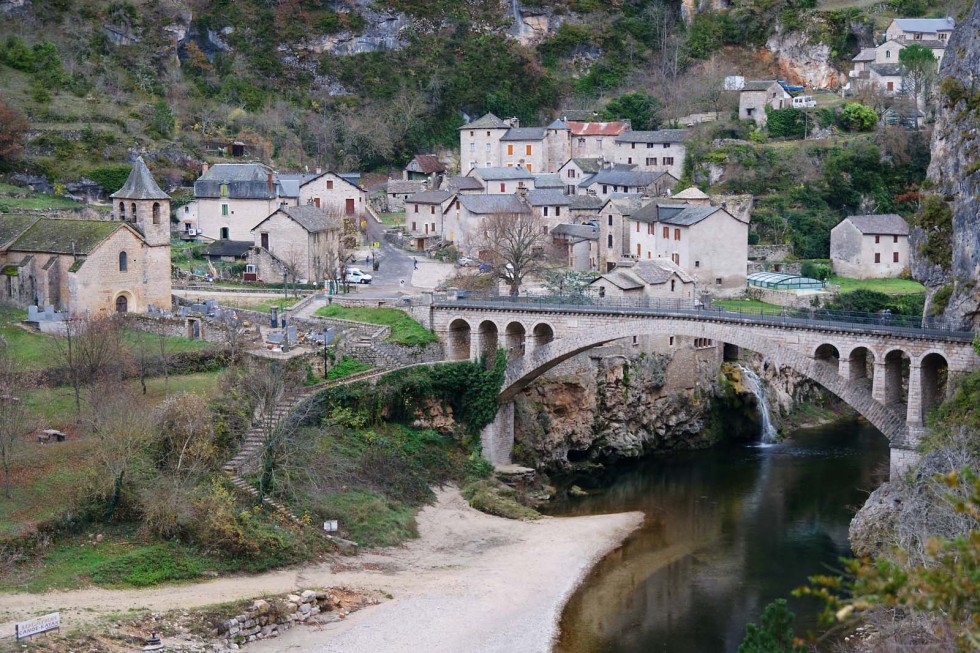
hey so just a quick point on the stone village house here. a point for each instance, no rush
(92, 266)
(870, 246)
(301, 241)
(755, 96)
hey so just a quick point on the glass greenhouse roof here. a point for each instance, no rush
(780, 281)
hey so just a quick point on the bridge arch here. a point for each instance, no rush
(542, 334)
(897, 374)
(515, 339)
(829, 354)
(460, 335)
(522, 371)
(860, 363)
(489, 340)
(933, 380)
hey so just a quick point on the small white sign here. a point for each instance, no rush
(330, 526)
(38, 625)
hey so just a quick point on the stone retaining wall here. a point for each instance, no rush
(266, 619)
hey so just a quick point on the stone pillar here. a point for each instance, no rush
(475, 345)
(497, 437)
(914, 414)
(878, 382)
(528, 344)
(900, 460)
(844, 369)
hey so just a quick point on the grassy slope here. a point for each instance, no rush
(404, 330)
(887, 286)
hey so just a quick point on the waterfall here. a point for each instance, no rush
(754, 385)
(515, 6)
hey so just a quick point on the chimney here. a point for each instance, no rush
(425, 184)
(319, 170)
(270, 183)
(204, 168)
(522, 192)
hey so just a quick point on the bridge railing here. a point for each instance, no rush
(883, 321)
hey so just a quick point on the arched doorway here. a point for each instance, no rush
(122, 304)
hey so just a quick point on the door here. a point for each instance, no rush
(350, 207)
(121, 304)
(265, 241)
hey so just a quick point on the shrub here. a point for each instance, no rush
(785, 123)
(940, 300)
(147, 566)
(346, 367)
(815, 270)
(936, 219)
(774, 635)
(110, 177)
(369, 519)
(856, 117)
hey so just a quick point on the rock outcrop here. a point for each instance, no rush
(955, 174)
(800, 59)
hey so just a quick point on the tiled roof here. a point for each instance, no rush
(926, 24)
(587, 202)
(759, 85)
(488, 204)
(430, 197)
(230, 172)
(597, 128)
(428, 163)
(690, 193)
(559, 125)
(12, 226)
(657, 136)
(502, 174)
(686, 216)
(548, 180)
(886, 224)
(657, 271)
(235, 248)
(582, 231)
(622, 278)
(401, 186)
(887, 69)
(588, 165)
(867, 54)
(626, 204)
(548, 197)
(64, 236)
(614, 177)
(488, 121)
(140, 185)
(312, 218)
(453, 184)
(524, 134)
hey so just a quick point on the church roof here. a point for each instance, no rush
(140, 185)
(12, 226)
(54, 236)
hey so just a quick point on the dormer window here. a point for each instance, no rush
(223, 190)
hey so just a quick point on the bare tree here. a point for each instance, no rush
(90, 350)
(514, 243)
(15, 419)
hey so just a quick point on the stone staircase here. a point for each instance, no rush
(263, 424)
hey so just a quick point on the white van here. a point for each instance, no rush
(804, 102)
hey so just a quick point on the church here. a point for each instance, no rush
(92, 267)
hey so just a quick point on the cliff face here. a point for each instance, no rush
(955, 174)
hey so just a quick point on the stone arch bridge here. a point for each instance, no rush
(892, 375)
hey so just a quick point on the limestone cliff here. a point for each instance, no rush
(955, 176)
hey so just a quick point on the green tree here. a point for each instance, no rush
(163, 119)
(12, 128)
(775, 635)
(918, 67)
(642, 110)
(856, 117)
(785, 123)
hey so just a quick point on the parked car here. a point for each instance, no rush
(467, 262)
(804, 102)
(355, 275)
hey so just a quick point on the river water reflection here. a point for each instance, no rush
(727, 531)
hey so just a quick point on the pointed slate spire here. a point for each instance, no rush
(140, 185)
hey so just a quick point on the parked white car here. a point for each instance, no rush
(804, 102)
(355, 275)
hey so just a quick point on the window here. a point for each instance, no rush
(223, 190)
(487, 148)
(877, 239)
(717, 281)
(676, 258)
(650, 229)
(629, 160)
(877, 257)
(472, 148)
(503, 188)
(666, 146)
(330, 184)
(414, 227)
(571, 174)
(527, 150)
(488, 133)
(749, 112)
(636, 340)
(432, 210)
(264, 240)
(649, 146)
(224, 233)
(510, 149)
(670, 341)
(433, 227)
(888, 54)
(546, 211)
(638, 250)
(697, 264)
(677, 234)
(895, 239)
(894, 257)
(668, 160)
(609, 241)
(666, 233)
(224, 209)
(637, 227)
(132, 211)
(528, 167)
(557, 211)
(416, 208)
(471, 133)
(651, 161)
(672, 282)
(605, 189)
(891, 86)
(123, 263)
(609, 218)
(581, 141)
(632, 146)
(156, 213)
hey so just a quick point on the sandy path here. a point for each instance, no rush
(471, 582)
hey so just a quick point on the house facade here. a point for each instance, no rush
(870, 246)
(595, 139)
(422, 167)
(653, 151)
(658, 280)
(503, 181)
(755, 96)
(303, 241)
(424, 216)
(465, 216)
(611, 181)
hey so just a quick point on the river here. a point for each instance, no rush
(727, 531)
